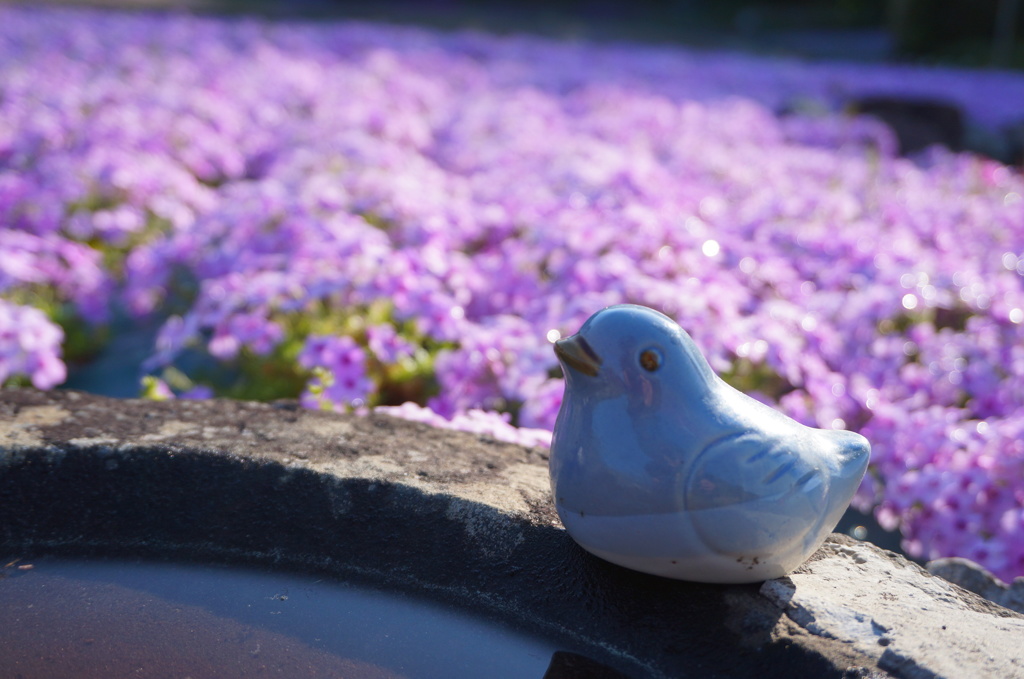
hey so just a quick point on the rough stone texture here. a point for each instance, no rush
(913, 624)
(463, 519)
(974, 578)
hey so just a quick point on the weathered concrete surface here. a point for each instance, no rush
(974, 578)
(450, 515)
(913, 624)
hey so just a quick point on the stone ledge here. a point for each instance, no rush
(461, 518)
(974, 578)
(911, 623)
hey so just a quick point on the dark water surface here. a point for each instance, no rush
(85, 619)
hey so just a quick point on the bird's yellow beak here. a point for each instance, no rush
(576, 353)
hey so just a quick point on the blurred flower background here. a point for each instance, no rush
(370, 216)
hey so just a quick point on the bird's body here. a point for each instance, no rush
(660, 466)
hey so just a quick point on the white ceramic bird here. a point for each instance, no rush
(660, 466)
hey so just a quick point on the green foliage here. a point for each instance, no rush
(748, 376)
(153, 389)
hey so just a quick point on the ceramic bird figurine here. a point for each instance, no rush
(660, 466)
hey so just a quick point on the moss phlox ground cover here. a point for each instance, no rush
(365, 216)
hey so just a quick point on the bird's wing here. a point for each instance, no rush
(747, 492)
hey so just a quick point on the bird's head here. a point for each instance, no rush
(634, 350)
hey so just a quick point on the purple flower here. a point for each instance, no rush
(30, 345)
(488, 423)
(199, 392)
(251, 329)
(541, 407)
(387, 345)
(342, 381)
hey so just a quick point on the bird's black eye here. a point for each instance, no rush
(650, 359)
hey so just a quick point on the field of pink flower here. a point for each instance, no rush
(370, 216)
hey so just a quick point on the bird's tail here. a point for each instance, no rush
(854, 453)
